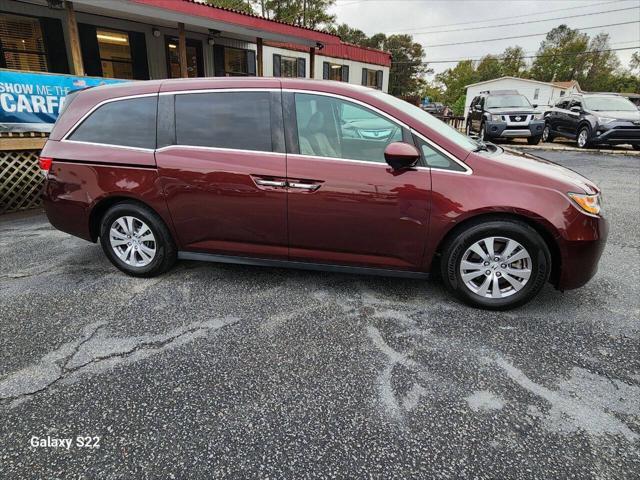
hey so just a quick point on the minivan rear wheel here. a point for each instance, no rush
(136, 240)
(497, 265)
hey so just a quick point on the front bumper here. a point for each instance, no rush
(581, 255)
(617, 132)
(509, 130)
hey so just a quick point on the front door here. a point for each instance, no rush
(195, 66)
(223, 171)
(345, 204)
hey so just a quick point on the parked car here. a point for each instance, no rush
(592, 119)
(504, 114)
(434, 108)
(260, 171)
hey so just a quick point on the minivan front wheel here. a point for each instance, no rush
(498, 265)
(136, 240)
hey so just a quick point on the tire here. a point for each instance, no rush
(547, 136)
(483, 133)
(534, 140)
(582, 139)
(507, 296)
(130, 253)
(467, 129)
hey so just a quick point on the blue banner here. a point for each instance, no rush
(32, 101)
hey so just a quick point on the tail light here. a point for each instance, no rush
(45, 165)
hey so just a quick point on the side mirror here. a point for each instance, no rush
(477, 108)
(535, 105)
(401, 155)
(576, 109)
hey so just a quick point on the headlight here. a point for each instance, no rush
(604, 120)
(588, 203)
(496, 118)
(538, 116)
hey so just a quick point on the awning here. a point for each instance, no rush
(196, 15)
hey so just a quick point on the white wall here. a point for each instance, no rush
(547, 93)
(355, 70)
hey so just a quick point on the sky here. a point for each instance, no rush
(420, 17)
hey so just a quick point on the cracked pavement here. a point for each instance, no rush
(223, 371)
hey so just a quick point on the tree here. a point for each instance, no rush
(561, 56)
(489, 67)
(304, 13)
(240, 5)
(350, 35)
(456, 79)
(634, 64)
(513, 62)
(601, 64)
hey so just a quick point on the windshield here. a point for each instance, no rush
(506, 101)
(429, 120)
(612, 104)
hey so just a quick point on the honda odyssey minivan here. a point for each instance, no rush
(318, 175)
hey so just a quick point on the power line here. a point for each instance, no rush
(502, 18)
(524, 36)
(527, 22)
(525, 56)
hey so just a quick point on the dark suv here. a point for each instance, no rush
(504, 114)
(596, 118)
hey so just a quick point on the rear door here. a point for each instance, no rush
(223, 170)
(573, 118)
(345, 204)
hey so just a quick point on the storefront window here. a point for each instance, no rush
(236, 62)
(335, 71)
(194, 58)
(115, 54)
(22, 44)
(372, 78)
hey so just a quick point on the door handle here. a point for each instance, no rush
(311, 187)
(271, 183)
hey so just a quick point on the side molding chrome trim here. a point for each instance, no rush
(259, 262)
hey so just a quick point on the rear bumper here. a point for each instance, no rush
(580, 257)
(504, 130)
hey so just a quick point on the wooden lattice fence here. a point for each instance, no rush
(20, 180)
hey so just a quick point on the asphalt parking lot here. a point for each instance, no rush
(220, 371)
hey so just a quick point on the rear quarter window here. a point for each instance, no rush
(127, 123)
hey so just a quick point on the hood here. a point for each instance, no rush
(534, 170)
(617, 114)
(512, 110)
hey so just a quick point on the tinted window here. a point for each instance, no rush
(238, 120)
(507, 101)
(329, 127)
(130, 123)
(434, 159)
(562, 104)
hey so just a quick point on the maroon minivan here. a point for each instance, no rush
(313, 174)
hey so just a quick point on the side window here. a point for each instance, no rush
(434, 159)
(562, 104)
(128, 123)
(575, 102)
(330, 127)
(237, 120)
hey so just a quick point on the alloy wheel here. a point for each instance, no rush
(495, 267)
(545, 133)
(132, 241)
(582, 138)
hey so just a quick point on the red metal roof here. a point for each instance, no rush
(333, 46)
(247, 20)
(343, 50)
